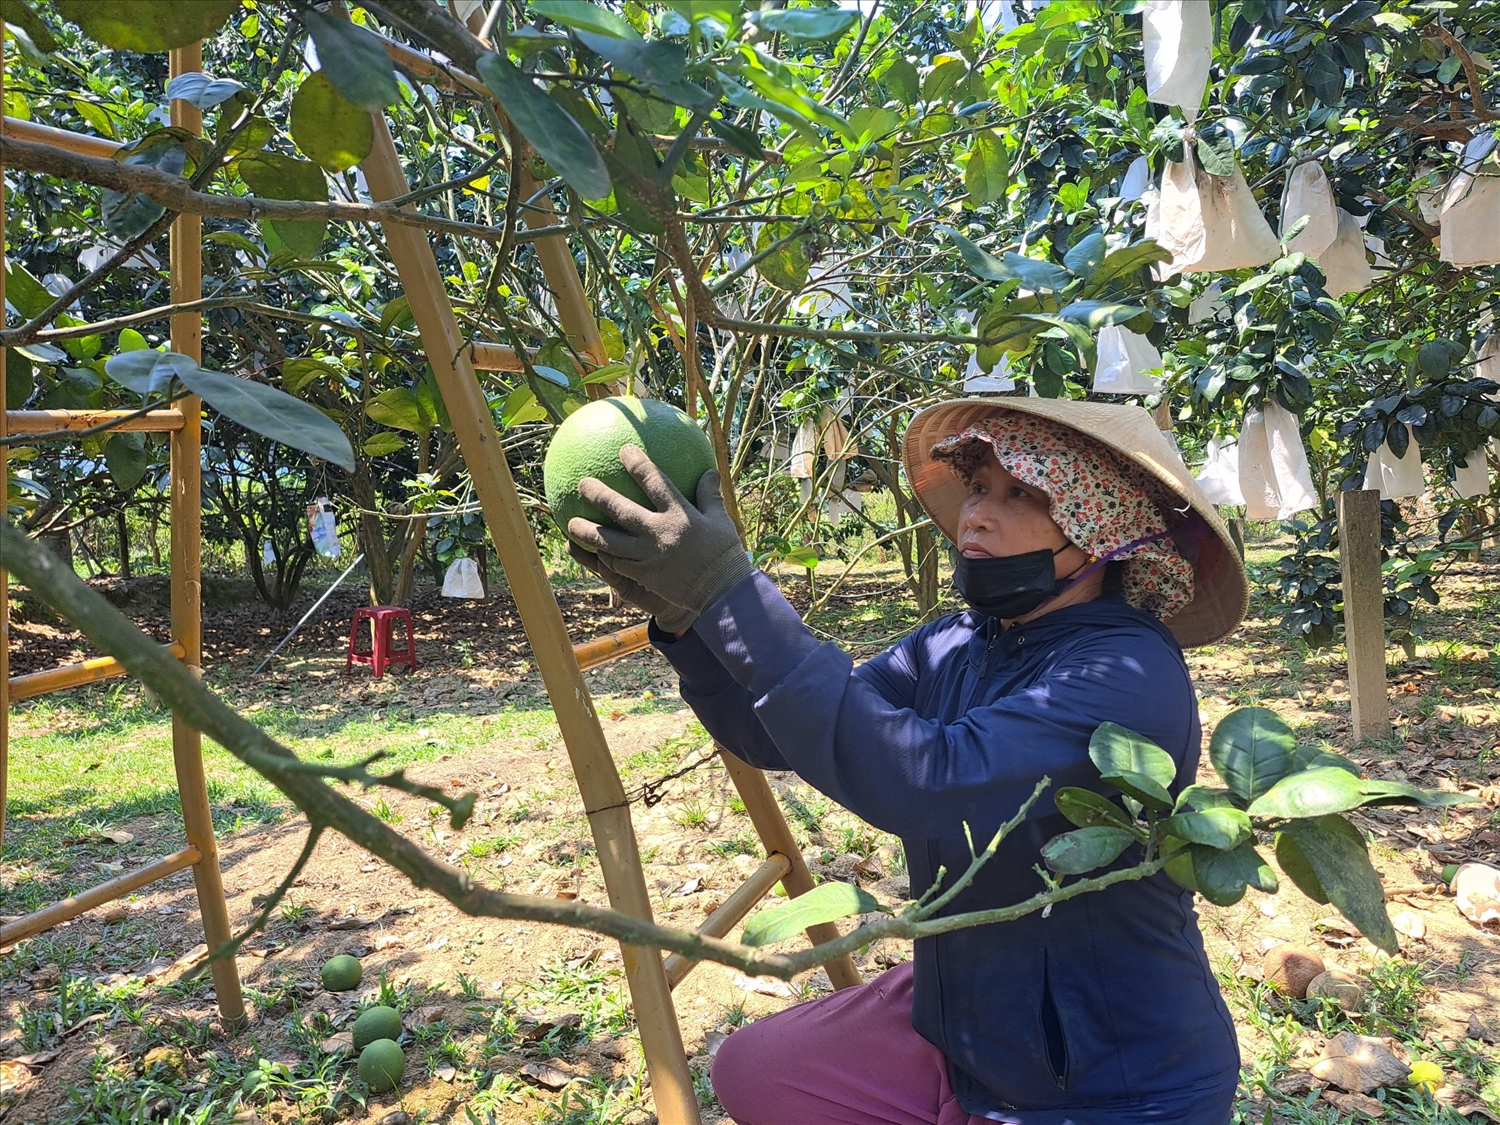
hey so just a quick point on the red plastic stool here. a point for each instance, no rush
(383, 618)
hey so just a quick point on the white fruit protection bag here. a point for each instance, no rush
(1124, 358)
(1275, 478)
(804, 451)
(462, 579)
(1472, 478)
(1309, 195)
(1178, 38)
(1208, 223)
(1344, 263)
(977, 382)
(1396, 477)
(1220, 475)
(1470, 218)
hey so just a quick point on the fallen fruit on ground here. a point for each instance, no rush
(1425, 1075)
(588, 443)
(376, 1023)
(1291, 968)
(1360, 1063)
(1344, 989)
(342, 973)
(381, 1064)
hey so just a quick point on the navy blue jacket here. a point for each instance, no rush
(1103, 1013)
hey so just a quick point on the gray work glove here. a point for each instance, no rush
(688, 556)
(671, 618)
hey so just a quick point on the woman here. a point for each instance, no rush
(1088, 557)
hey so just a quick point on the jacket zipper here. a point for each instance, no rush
(984, 672)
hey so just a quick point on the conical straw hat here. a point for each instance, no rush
(1221, 593)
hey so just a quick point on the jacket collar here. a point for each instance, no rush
(1056, 627)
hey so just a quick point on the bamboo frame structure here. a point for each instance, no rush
(561, 663)
(183, 425)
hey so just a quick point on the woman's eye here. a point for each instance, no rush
(1020, 493)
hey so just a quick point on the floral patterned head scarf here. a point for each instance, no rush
(1101, 502)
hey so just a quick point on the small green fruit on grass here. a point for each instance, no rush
(1449, 873)
(342, 973)
(381, 1064)
(588, 443)
(376, 1023)
(1426, 1075)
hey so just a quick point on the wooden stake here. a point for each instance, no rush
(562, 275)
(5, 477)
(187, 580)
(771, 827)
(598, 780)
(1364, 611)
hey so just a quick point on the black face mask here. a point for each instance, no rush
(1007, 587)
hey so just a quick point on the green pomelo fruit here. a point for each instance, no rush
(342, 973)
(588, 443)
(381, 1064)
(376, 1023)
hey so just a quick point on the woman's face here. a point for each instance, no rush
(1004, 516)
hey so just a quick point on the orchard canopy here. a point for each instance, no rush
(1273, 221)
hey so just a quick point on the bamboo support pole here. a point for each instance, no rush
(611, 646)
(735, 907)
(57, 421)
(84, 901)
(187, 582)
(73, 675)
(1364, 612)
(771, 827)
(562, 274)
(4, 477)
(65, 139)
(598, 780)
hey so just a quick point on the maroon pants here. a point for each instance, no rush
(848, 1059)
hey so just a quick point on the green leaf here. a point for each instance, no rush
(1034, 274)
(127, 214)
(25, 292)
(902, 80)
(586, 17)
(354, 59)
(1336, 853)
(1086, 255)
(981, 263)
(327, 127)
(147, 25)
(1088, 809)
(20, 381)
(1098, 314)
(274, 176)
(1086, 849)
(399, 409)
(659, 65)
(1309, 793)
(1224, 827)
(1216, 150)
(521, 406)
(1298, 869)
(820, 24)
(802, 556)
(827, 902)
(988, 172)
(942, 78)
(20, 14)
(1311, 757)
(202, 90)
(271, 412)
(552, 131)
(1124, 262)
(787, 267)
(742, 139)
(147, 372)
(1169, 138)
(383, 444)
(1400, 793)
(299, 371)
(1116, 750)
(1222, 876)
(126, 459)
(1252, 750)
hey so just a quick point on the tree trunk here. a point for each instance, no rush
(60, 543)
(122, 534)
(416, 530)
(927, 571)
